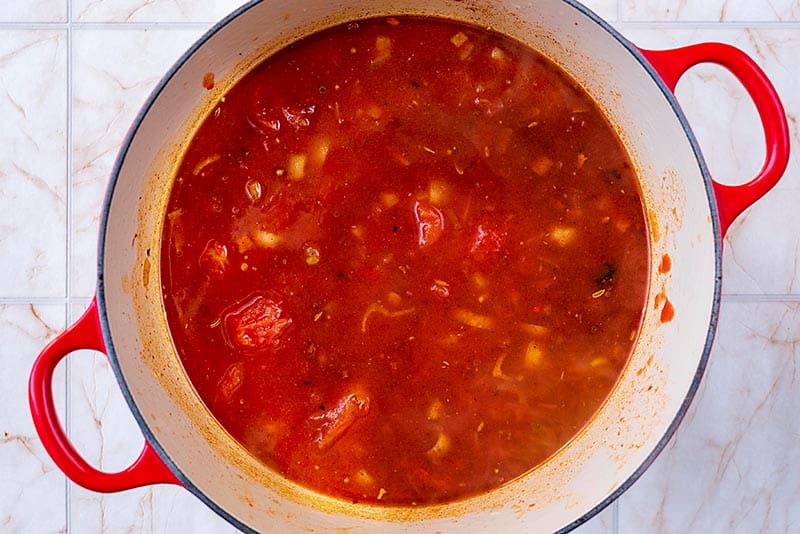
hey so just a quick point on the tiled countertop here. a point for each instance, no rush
(73, 74)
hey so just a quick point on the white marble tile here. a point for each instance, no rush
(34, 11)
(605, 9)
(104, 431)
(113, 73)
(31, 481)
(732, 466)
(762, 246)
(33, 162)
(152, 10)
(710, 10)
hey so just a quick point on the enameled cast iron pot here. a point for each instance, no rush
(688, 214)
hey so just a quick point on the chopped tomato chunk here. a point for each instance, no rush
(257, 324)
(229, 383)
(336, 421)
(430, 223)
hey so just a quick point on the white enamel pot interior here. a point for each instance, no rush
(592, 470)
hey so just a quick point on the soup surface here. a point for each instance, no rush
(404, 261)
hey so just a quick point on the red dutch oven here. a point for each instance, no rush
(688, 214)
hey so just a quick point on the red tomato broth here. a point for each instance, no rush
(405, 261)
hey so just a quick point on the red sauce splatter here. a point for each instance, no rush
(667, 312)
(208, 80)
(666, 264)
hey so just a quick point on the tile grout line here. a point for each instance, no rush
(107, 25)
(69, 197)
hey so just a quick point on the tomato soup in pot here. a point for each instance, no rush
(404, 260)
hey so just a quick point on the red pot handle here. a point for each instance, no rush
(734, 199)
(148, 467)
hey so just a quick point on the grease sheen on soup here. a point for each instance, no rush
(404, 261)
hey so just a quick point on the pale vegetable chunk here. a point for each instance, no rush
(440, 448)
(296, 167)
(562, 235)
(438, 193)
(475, 320)
(542, 165)
(265, 239)
(533, 355)
(383, 50)
(459, 39)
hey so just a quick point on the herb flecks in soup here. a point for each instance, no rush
(404, 261)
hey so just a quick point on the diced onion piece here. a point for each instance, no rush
(533, 355)
(174, 214)
(497, 371)
(435, 410)
(296, 168)
(599, 362)
(374, 111)
(357, 231)
(393, 298)
(534, 329)
(265, 239)
(205, 163)
(450, 339)
(479, 280)
(319, 150)
(459, 39)
(381, 493)
(542, 165)
(475, 320)
(438, 192)
(581, 160)
(562, 235)
(389, 199)
(402, 159)
(503, 140)
(377, 307)
(465, 51)
(243, 243)
(440, 448)
(364, 478)
(383, 49)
